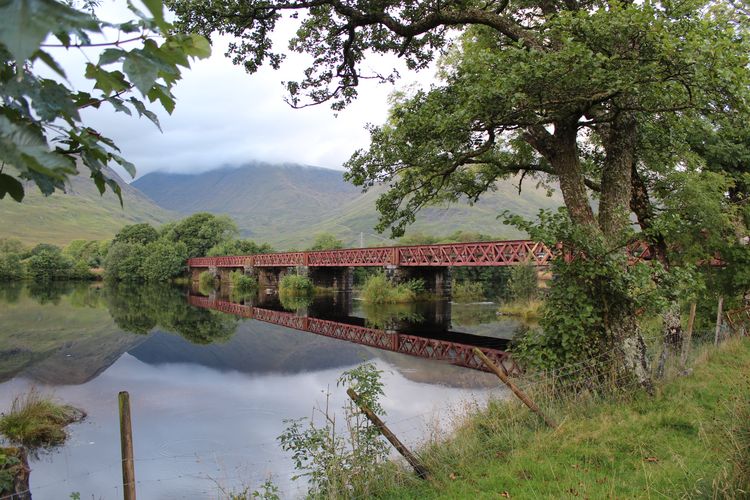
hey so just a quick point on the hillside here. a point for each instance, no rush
(287, 205)
(79, 213)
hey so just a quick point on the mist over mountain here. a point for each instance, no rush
(287, 205)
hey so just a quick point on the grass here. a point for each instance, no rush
(467, 291)
(529, 310)
(689, 440)
(36, 421)
(378, 289)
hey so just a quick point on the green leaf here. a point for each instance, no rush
(156, 8)
(109, 56)
(141, 70)
(106, 81)
(24, 24)
(49, 61)
(119, 105)
(164, 96)
(10, 185)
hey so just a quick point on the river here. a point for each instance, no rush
(210, 391)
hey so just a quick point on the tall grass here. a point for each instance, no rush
(609, 444)
(528, 310)
(467, 291)
(37, 421)
(378, 289)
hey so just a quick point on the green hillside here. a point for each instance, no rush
(287, 205)
(80, 213)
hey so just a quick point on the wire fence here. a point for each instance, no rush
(552, 390)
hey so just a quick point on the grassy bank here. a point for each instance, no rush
(690, 440)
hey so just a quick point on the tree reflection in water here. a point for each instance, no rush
(141, 308)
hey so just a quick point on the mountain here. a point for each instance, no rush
(288, 205)
(79, 213)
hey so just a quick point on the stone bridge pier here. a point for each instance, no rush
(437, 279)
(340, 279)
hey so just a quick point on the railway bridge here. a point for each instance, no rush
(334, 268)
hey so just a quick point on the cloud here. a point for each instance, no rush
(225, 116)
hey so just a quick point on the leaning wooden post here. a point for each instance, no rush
(390, 436)
(719, 310)
(126, 446)
(518, 392)
(688, 336)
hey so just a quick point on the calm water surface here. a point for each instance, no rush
(210, 391)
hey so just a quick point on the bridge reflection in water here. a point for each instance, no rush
(453, 347)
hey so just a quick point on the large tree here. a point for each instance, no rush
(575, 92)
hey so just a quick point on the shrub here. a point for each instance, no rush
(164, 260)
(238, 247)
(467, 291)
(206, 281)
(294, 284)
(35, 421)
(81, 271)
(343, 461)
(142, 234)
(124, 262)
(49, 263)
(326, 241)
(11, 267)
(523, 283)
(242, 282)
(378, 289)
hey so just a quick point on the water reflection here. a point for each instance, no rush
(209, 390)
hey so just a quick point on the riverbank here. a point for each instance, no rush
(691, 439)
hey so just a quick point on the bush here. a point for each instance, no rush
(343, 461)
(378, 289)
(48, 263)
(238, 247)
(88, 251)
(11, 267)
(523, 283)
(294, 284)
(467, 292)
(124, 262)
(206, 281)
(36, 421)
(164, 260)
(242, 283)
(81, 271)
(326, 241)
(142, 234)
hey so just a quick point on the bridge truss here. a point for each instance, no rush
(441, 350)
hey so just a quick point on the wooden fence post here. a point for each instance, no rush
(686, 342)
(719, 310)
(390, 436)
(126, 446)
(518, 392)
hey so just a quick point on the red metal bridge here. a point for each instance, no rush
(438, 349)
(483, 253)
(490, 253)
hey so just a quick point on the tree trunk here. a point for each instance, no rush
(672, 336)
(631, 350)
(616, 186)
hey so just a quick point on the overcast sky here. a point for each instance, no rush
(226, 116)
